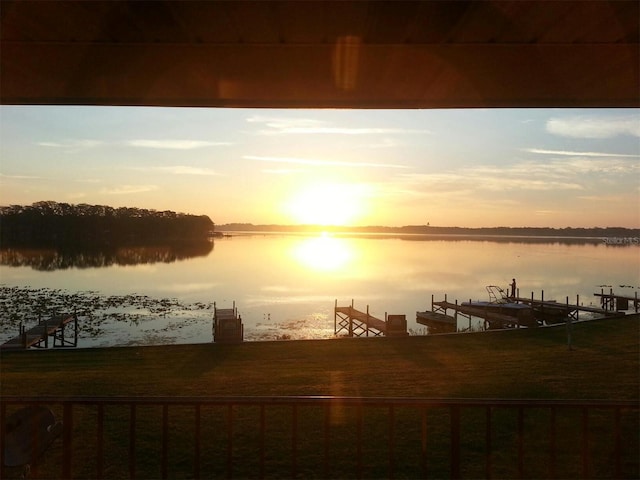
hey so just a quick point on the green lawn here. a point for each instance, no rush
(526, 363)
(604, 363)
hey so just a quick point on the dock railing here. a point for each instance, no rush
(336, 437)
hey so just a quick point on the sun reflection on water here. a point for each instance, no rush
(323, 253)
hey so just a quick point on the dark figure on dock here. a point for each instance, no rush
(513, 288)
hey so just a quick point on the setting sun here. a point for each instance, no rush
(328, 204)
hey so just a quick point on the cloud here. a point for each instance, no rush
(488, 179)
(321, 163)
(128, 189)
(524, 176)
(82, 143)
(296, 126)
(577, 154)
(174, 144)
(282, 171)
(19, 177)
(383, 143)
(592, 126)
(186, 170)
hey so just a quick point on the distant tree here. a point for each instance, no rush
(51, 223)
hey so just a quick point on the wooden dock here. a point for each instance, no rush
(612, 302)
(227, 325)
(355, 323)
(495, 319)
(437, 322)
(561, 309)
(38, 335)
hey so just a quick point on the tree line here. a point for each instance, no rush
(576, 232)
(51, 223)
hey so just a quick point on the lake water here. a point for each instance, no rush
(286, 286)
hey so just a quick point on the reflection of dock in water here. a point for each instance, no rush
(355, 323)
(38, 336)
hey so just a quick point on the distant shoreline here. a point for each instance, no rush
(614, 235)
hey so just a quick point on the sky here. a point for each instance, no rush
(468, 168)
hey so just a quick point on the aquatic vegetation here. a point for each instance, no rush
(96, 312)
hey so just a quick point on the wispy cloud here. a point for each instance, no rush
(174, 144)
(75, 144)
(594, 126)
(488, 179)
(186, 170)
(383, 143)
(128, 189)
(297, 126)
(18, 177)
(321, 163)
(576, 154)
(282, 171)
(177, 170)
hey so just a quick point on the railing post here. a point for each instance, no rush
(100, 443)
(392, 439)
(359, 442)
(230, 440)
(455, 441)
(132, 440)
(618, 444)
(552, 443)
(197, 441)
(262, 439)
(423, 450)
(294, 441)
(165, 441)
(520, 442)
(327, 433)
(67, 439)
(585, 442)
(487, 441)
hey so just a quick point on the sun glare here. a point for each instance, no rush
(323, 253)
(328, 204)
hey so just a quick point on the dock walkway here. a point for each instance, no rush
(568, 307)
(355, 323)
(495, 318)
(358, 323)
(40, 333)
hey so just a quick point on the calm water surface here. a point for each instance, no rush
(287, 285)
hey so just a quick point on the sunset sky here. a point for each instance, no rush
(470, 168)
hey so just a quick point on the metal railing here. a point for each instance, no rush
(323, 437)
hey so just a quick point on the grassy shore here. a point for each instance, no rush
(603, 363)
(526, 363)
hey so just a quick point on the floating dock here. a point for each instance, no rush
(38, 336)
(355, 323)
